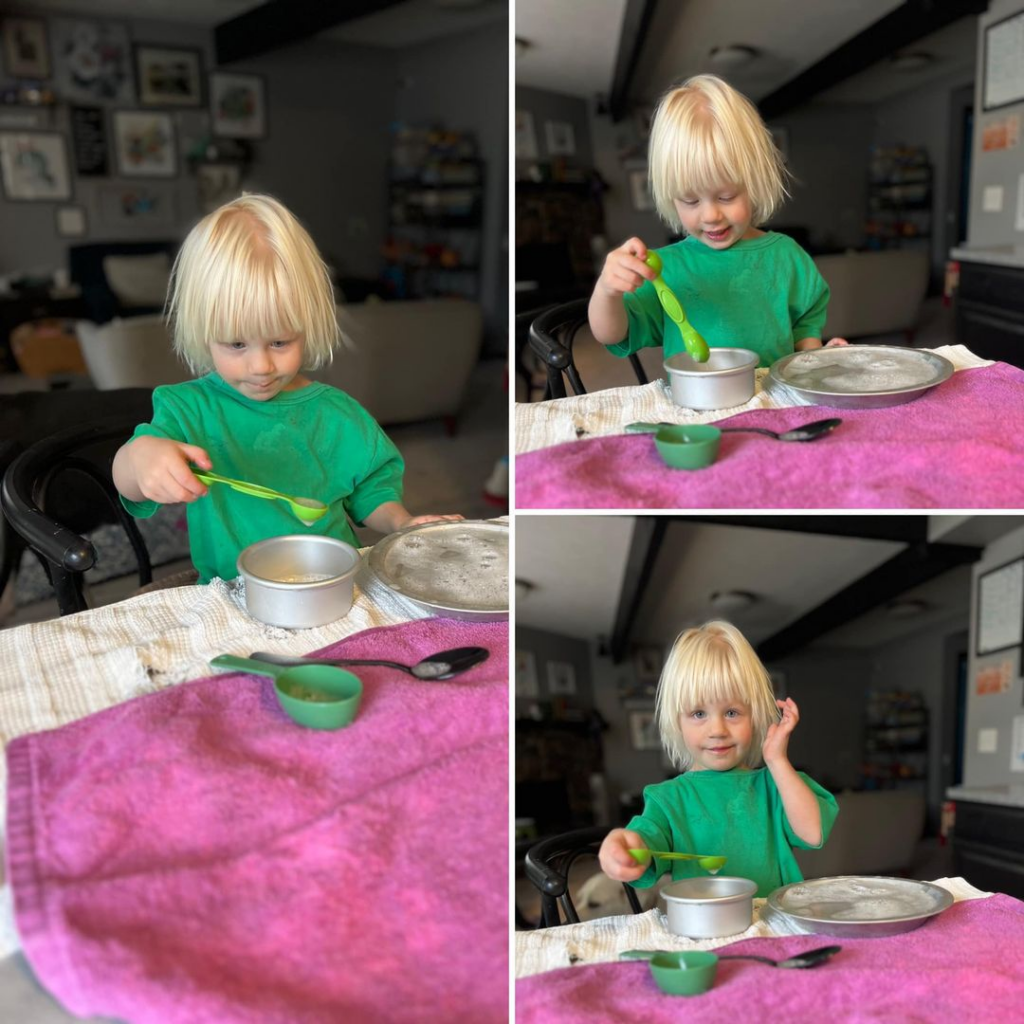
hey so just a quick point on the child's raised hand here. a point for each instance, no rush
(776, 740)
(162, 469)
(616, 860)
(624, 269)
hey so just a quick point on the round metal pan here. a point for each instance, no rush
(861, 376)
(455, 570)
(860, 906)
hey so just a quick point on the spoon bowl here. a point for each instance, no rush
(306, 510)
(435, 667)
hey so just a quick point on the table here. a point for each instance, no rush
(72, 673)
(957, 446)
(965, 964)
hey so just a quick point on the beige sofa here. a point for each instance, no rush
(403, 361)
(874, 292)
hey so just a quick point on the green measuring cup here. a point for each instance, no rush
(712, 864)
(695, 344)
(306, 510)
(316, 696)
(688, 446)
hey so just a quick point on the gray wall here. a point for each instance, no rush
(553, 647)
(462, 83)
(553, 106)
(999, 167)
(992, 710)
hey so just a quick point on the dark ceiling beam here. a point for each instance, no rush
(905, 529)
(916, 565)
(899, 29)
(635, 24)
(648, 533)
(280, 23)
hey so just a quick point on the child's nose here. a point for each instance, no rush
(260, 362)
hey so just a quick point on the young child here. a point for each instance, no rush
(716, 176)
(718, 720)
(251, 306)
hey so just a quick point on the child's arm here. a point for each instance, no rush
(616, 860)
(805, 343)
(799, 803)
(392, 516)
(157, 469)
(624, 271)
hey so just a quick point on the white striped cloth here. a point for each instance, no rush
(542, 424)
(603, 939)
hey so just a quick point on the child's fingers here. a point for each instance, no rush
(195, 454)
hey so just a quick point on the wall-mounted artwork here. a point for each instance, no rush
(71, 222)
(168, 77)
(238, 106)
(145, 144)
(561, 679)
(126, 206)
(34, 166)
(92, 61)
(643, 730)
(526, 138)
(561, 140)
(89, 141)
(218, 184)
(25, 52)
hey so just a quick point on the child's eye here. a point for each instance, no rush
(726, 199)
(236, 346)
(689, 202)
(698, 714)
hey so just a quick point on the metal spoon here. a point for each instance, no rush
(442, 665)
(807, 432)
(306, 510)
(811, 958)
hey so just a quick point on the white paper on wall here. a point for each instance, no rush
(987, 741)
(992, 198)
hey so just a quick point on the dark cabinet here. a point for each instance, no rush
(990, 311)
(988, 846)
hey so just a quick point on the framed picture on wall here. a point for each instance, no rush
(526, 675)
(643, 730)
(34, 166)
(640, 191)
(1003, 63)
(526, 139)
(168, 77)
(92, 61)
(26, 54)
(561, 679)
(71, 221)
(238, 106)
(1000, 621)
(218, 184)
(561, 140)
(129, 206)
(145, 145)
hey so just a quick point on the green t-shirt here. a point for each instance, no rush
(736, 814)
(315, 442)
(763, 294)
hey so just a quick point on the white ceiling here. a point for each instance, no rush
(577, 564)
(574, 47)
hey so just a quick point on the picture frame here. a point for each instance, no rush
(648, 663)
(168, 76)
(71, 221)
(141, 205)
(526, 676)
(526, 138)
(34, 166)
(92, 61)
(561, 679)
(1002, 63)
(640, 191)
(218, 184)
(145, 144)
(999, 624)
(643, 730)
(238, 106)
(560, 138)
(26, 52)
(89, 141)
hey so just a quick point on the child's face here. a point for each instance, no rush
(260, 369)
(719, 218)
(717, 734)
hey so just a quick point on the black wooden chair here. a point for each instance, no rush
(551, 338)
(547, 867)
(57, 489)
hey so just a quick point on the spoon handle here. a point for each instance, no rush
(284, 659)
(747, 956)
(749, 430)
(239, 485)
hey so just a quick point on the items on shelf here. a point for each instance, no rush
(899, 196)
(896, 739)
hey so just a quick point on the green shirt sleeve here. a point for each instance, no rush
(829, 810)
(382, 481)
(808, 314)
(643, 313)
(163, 424)
(655, 828)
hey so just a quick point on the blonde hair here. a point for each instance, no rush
(705, 135)
(248, 271)
(713, 662)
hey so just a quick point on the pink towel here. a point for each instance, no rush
(961, 445)
(965, 965)
(193, 856)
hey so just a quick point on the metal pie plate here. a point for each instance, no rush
(861, 376)
(457, 570)
(860, 906)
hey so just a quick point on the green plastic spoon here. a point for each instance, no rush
(695, 344)
(306, 510)
(712, 864)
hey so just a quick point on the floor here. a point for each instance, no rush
(443, 474)
(598, 370)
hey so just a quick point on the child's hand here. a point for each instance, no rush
(161, 468)
(624, 269)
(836, 342)
(776, 740)
(616, 860)
(419, 520)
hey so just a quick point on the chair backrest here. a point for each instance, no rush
(45, 482)
(85, 267)
(547, 867)
(130, 353)
(551, 338)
